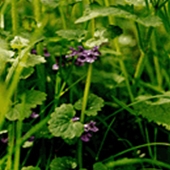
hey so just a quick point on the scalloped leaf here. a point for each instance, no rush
(99, 166)
(63, 163)
(30, 99)
(94, 104)
(33, 60)
(119, 11)
(158, 112)
(72, 34)
(34, 98)
(61, 124)
(30, 168)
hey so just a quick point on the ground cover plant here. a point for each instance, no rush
(84, 84)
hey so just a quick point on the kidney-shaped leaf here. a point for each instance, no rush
(94, 104)
(63, 163)
(62, 125)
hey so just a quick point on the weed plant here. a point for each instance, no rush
(84, 84)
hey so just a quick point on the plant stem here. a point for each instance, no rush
(14, 16)
(82, 116)
(18, 146)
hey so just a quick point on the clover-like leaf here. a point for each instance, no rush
(94, 104)
(63, 163)
(62, 125)
(30, 168)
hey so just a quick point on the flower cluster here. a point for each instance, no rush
(80, 56)
(89, 128)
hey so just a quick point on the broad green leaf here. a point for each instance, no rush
(30, 168)
(99, 166)
(34, 98)
(118, 11)
(33, 60)
(30, 99)
(61, 124)
(94, 104)
(19, 42)
(19, 111)
(72, 34)
(158, 112)
(63, 163)
(26, 72)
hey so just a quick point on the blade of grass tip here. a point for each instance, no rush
(104, 138)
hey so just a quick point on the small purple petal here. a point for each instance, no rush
(74, 119)
(34, 115)
(31, 139)
(86, 137)
(4, 140)
(90, 127)
(33, 51)
(46, 53)
(55, 67)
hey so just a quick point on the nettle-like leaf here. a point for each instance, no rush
(72, 34)
(30, 168)
(94, 104)
(63, 163)
(61, 124)
(30, 99)
(119, 11)
(158, 112)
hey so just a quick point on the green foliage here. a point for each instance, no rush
(30, 99)
(122, 12)
(94, 104)
(61, 124)
(63, 163)
(30, 168)
(77, 35)
(99, 166)
(157, 111)
(19, 42)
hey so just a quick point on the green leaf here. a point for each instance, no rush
(119, 11)
(158, 112)
(30, 99)
(26, 72)
(63, 163)
(34, 98)
(33, 60)
(19, 42)
(94, 104)
(61, 124)
(72, 34)
(30, 168)
(99, 166)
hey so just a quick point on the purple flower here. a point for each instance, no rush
(86, 137)
(90, 127)
(74, 119)
(55, 66)
(46, 53)
(4, 140)
(33, 51)
(31, 139)
(34, 115)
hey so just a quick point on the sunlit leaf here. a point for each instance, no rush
(19, 42)
(99, 166)
(94, 104)
(63, 163)
(30, 168)
(118, 11)
(61, 124)
(72, 34)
